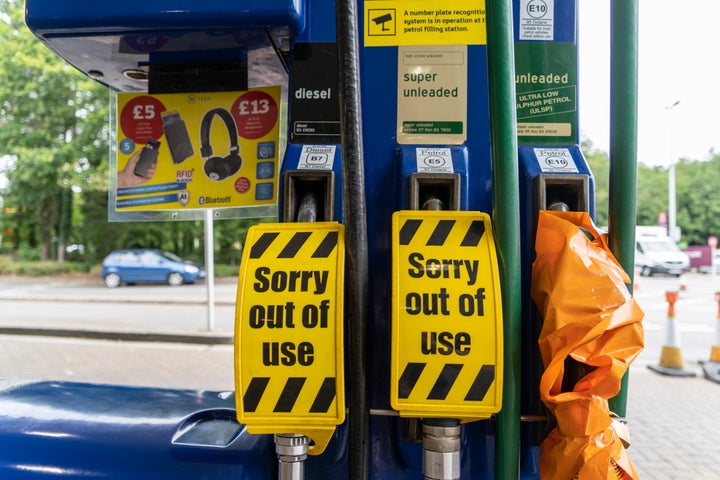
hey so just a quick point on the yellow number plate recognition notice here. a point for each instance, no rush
(288, 331)
(447, 345)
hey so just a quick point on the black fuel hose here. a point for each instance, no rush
(356, 264)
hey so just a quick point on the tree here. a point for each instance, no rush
(599, 166)
(652, 194)
(53, 128)
(698, 204)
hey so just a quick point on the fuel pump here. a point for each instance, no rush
(290, 375)
(310, 203)
(446, 354)
(553, 179)
(554, 175)
(425, 101)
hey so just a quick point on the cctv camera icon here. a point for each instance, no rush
(382, 20)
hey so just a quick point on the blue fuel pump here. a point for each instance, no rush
(429, 108)
(313, 160)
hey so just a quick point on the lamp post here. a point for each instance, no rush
(672, 207)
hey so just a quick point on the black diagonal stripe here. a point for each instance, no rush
(294, 245)
(445, 381)
(409, 378)
(326, 246)
(474, 234)
(254, 393)
(325, 396)
(262, 244)
(408, 230)
(441, 232)
(289, 395)
(482, 383)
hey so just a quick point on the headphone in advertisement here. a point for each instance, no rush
(219, 168)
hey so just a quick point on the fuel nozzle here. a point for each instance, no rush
(441, 448)
(292, 452)
(433, 203)
(559, 206)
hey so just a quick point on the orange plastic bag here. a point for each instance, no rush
(590, 317)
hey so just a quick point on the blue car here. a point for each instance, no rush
(141, 265)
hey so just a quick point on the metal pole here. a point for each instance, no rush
(623, 146)
(672, 208)
(210, 268)
(506, 221)
(672, 221)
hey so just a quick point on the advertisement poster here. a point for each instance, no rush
(196, 151)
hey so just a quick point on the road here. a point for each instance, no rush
(695, 315)
(85, 306)
(88, 304)
(673, 421)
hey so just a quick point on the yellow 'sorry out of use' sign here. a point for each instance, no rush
(446, 356)
(288, 330)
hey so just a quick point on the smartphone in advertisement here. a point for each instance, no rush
(147, 158)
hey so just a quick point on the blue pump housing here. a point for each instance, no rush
(48, 18)
(117, 44)
(84, 430)
(565, 176)
(330, 171)
(407, 164)
(66, 429)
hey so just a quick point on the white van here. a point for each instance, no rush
(655, 252)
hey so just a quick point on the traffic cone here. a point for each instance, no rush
(636, 280)
(683, 282)
(671, 357)
(715, 349)
(711, 368)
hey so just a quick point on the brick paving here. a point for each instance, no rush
(674, 425)
(171, 365)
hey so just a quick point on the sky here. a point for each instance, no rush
(678, 61)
